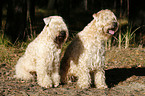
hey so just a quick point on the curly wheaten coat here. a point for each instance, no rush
(86, 53)
(43, 54)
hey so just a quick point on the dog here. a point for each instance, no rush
(86, 53)
(43, 54)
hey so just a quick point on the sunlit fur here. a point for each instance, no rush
(43, 54)
(86, 53)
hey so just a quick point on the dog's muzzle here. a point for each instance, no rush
(62, 34)
(113, 29)
(115, 24)
(60, 38)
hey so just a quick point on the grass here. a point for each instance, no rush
(10, 54)
(129, 35)
(3, 39)
(125, 58)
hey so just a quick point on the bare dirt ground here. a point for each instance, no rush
(124, 70)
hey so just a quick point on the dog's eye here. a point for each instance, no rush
(63, 33)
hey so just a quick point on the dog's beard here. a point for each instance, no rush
(59, 40)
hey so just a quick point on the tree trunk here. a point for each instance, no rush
(16, 20)
(31, 10)
(63, 9)
(1, 4)
(51, 4)
(86, 4)
(30, 17)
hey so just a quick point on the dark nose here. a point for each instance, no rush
(62, 33)
(115, 24)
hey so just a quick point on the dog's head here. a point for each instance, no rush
(57, 28)
(107, 22)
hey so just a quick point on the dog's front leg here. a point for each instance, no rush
(84, 78)
(44, 80)
(100, 79)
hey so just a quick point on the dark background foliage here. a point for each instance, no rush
(23, 19)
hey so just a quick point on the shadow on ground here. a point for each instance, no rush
(116, 75)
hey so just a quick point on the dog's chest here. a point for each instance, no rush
(56, 53)
(96, 52)
(52, 52)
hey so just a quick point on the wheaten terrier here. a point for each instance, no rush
(43, 54)
(86, 52)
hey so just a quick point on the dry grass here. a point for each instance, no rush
(125, 58)
(10, 55)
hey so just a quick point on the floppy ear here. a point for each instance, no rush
(95, 15)
(47, 20)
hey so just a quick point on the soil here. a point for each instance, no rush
(124, 70)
